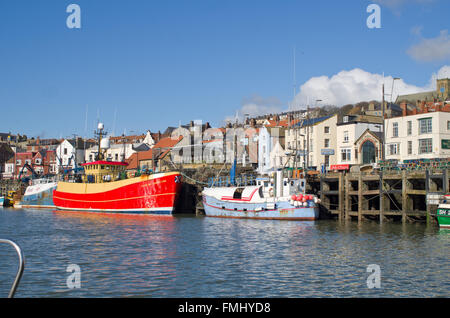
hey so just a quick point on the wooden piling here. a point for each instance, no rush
(408, 202)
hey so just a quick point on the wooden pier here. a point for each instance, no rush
(398, 195)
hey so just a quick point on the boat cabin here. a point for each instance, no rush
(103, 171)
(281, 186)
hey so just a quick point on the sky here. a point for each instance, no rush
(146, 65)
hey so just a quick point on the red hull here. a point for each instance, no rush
(146, 194)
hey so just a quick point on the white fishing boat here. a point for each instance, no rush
(275, 197)
(39, 194)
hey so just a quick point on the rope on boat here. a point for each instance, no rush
(186, 176)
(196, 181)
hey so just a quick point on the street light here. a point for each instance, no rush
(392, 89)
(308, 124)
(383, 107)
(304, 152)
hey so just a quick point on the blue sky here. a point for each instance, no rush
(156, 63)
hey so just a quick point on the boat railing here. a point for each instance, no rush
(19, 270)
(44, 180)
(226, 181)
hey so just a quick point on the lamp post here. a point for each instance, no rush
(304, 152)
(392, 88)
(383, 107)
(307, 133)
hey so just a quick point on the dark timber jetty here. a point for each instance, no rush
(397, 195)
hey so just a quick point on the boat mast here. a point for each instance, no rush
(99, 133)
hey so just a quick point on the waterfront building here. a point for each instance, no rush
(349, 148)
(9, 168)
(149, 138)
(6, 153)
(423, 133)
(43, 162)
(37, 144)
(157, 159)
(70, 153)
(314, 141)
(271, 143)
(368, 147)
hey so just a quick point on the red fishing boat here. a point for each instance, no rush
(104, 187)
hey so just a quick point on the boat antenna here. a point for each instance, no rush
(114, 125)
(100, 133)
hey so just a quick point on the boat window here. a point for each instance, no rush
(260, 192)
(102, 167)
(238, 193)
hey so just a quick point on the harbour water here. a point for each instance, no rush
(192, 256)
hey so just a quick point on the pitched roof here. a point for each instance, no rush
(274, 123)
(164, 146)
(377, 134)
(167, 142)
(310, 122)
(413, 98)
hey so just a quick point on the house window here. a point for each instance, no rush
(425, 145)
(425, 126)
(116, 157)
(409, 128)
(409, 147)
(393, 149)
(311, 143)
(18, 162)
(326, 143)
(346, 136)
(395, 130)
(28, 161)
(65, 151)
(346, 154)
(448, 124)
(326, 129)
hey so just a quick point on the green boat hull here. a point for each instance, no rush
(443, 217)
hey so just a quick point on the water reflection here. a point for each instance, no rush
(154, 256)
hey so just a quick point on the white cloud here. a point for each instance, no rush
(349, 87)
(433, 49)
(346, 87)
